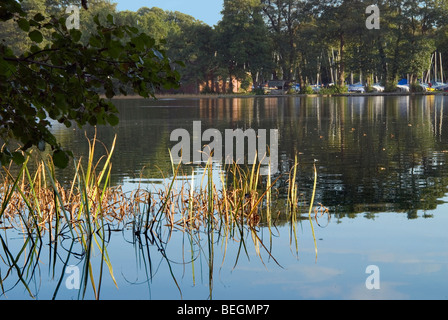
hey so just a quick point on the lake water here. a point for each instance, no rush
(382, 173)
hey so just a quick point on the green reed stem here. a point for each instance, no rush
(311, 207)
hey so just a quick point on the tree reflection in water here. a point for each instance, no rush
(374, 154)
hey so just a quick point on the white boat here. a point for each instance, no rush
(377, 87)
(316, 88)
(403, 87)
(357, 87)
(438, 85)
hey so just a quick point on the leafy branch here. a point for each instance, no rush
(60, 78)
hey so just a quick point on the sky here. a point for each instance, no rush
(208, 11)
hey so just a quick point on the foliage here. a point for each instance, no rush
(58, 78)
(391, 86)
(258, 91)
(49, 73)
(306, 90)
(416, 87)
(369, 88)
(246, 83)
(207, 90)
(330, 38)
(291, 91)
(334, 89)
(243, 44)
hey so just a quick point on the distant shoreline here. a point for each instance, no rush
(220, 96)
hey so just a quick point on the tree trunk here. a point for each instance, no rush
(395, 62)
(255, 80)
(213, 83)
(341, 77)
(383, 61)
(224, 85)
(230, 90)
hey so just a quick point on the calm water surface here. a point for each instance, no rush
(382, 172)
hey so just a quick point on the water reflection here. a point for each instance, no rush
(78, 260)
(374, 153)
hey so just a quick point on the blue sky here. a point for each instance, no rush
(208, 11)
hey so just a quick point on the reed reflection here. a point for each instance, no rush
(374, 153)
(339, 156)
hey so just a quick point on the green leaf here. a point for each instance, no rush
(180, 63)
(36, 36)
(118, 33)
(60, 159)
(34, 23)
(96, 19)
(5, 68)
(75, 34)
(48, 26)
(115, 49)
(8, 8)
(110, 93)
(95, 42)
(133, 29)
(18, 158)
(139, 42)
(110, 18)
(93, 121)
(41, 114)
(113, 119)
(39, 17)
(24, 24)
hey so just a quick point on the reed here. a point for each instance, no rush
(37, 203)
(311, 207)
(292, 203)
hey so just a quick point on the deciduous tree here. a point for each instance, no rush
(58, 78)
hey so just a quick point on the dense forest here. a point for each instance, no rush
(306, 41)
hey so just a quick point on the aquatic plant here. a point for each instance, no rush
(232, 208)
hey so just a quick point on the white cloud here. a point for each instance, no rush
(387, 291)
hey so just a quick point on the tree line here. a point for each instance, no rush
(306, 41)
